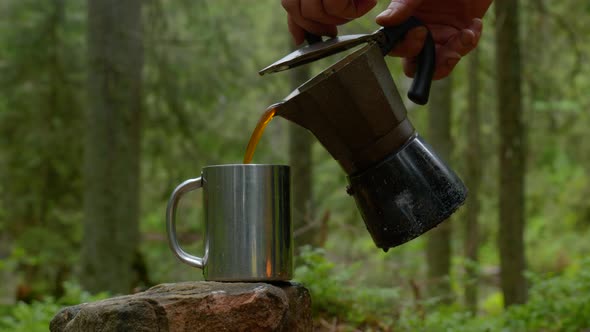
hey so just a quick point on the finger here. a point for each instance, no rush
(316, 28)
(296, 31)
(465, 40)
(442, 33)
(446, 60)
(397, 12)
(315, 11)
(412, 43)
(477, 27)
(293, 8)
(440, 72)
(443, 70)
(348, 9)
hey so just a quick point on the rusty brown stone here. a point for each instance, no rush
(195, 306)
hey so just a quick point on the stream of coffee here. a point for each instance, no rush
(257, 133)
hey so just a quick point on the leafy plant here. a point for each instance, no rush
(36, 316)
(558, 303)
(335, 292)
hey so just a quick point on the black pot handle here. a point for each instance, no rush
(387, 38)
(420, 88)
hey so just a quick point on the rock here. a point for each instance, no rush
(195, 306)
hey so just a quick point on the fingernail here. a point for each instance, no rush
(476, 24)
(467, 38)
(386, 13)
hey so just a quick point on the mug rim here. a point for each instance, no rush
(247, 166)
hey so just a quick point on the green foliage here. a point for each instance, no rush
(36, 316)
(24, 317)
(335, 292)
(40, 123)
(559, 303)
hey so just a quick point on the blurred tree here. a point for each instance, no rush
(472, 181)
(111, 170)
(511, 153)
(40, 149)
(438, 248)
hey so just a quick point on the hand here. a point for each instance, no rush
(321, 17)
(456, 27)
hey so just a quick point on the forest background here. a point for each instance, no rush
(105, 106)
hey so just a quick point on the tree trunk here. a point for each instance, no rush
(438, 248)
(472, 181)
(111, 170)
(512, 154)
(300, 143)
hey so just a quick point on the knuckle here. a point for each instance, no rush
(290, 5)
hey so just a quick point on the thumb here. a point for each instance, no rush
(397, 12)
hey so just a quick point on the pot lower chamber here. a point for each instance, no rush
(407, 194)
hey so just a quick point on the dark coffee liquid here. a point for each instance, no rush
(262, 123)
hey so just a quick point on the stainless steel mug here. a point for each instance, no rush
(247, 215)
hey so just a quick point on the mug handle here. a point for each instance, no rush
(183, 188)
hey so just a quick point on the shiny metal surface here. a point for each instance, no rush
(247, 214)
(405, 195)
(183, 188)
(317, 51)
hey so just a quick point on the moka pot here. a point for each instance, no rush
(401, 187)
